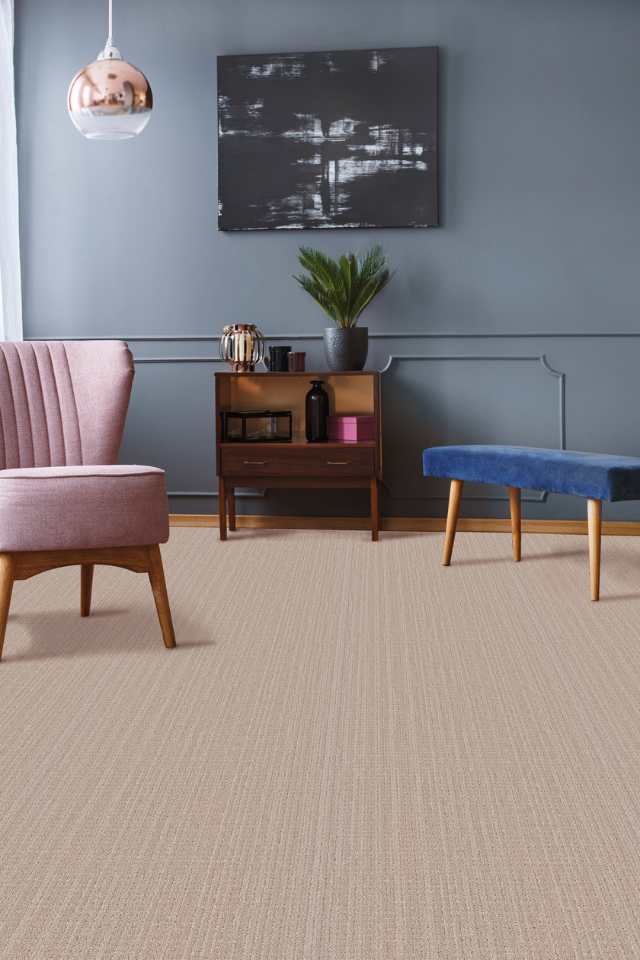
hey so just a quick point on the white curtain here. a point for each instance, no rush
(10, 289)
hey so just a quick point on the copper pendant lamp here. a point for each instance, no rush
(110, 99)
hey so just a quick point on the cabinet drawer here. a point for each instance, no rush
(323, 460)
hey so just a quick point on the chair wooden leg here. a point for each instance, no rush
(594, 523)
(231, 500)
(222, 508)
(86, 583)
(159, 587)
(6, 587)
(516, 522)
(455, 493)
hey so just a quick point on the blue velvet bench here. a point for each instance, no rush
(595, 476)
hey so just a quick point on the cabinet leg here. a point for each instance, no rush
(86, 583)
(222, 508)
(375, 509)
(231, 501)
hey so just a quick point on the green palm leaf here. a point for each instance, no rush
(343, 288)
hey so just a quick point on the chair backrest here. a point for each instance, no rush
(63, 403)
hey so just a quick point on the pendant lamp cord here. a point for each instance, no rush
(110, 37)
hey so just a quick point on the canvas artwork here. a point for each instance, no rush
(324, 140)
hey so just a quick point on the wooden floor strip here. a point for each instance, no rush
(611, 528)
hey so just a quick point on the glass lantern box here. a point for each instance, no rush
(257, 426)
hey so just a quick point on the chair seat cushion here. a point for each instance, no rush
(66, 508)
(598, 476)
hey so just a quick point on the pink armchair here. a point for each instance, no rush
(63, 499)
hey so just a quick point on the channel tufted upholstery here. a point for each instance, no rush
(62, 403)
(62, 412)
(63, 499)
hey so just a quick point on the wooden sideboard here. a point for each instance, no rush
(298, 463)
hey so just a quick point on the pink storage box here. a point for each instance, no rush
(352, 428)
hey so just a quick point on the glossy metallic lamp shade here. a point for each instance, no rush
(110, 100)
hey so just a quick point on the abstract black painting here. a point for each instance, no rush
(323, 140)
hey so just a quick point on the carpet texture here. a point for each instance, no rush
(353, 754)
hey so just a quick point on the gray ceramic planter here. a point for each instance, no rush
(346, 349)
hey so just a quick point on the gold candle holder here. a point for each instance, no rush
(242, 346)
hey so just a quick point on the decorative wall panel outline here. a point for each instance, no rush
(176, 338)
(562, 419)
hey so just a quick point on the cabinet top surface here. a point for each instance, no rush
(300, 374)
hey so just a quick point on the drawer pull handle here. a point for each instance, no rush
(338, 463)
(260, 463)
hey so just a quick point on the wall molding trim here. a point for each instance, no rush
(138, 360)
(248, 494)
(611, 528)
(377, 335)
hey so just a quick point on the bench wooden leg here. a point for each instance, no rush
(516, 522)
(594, 523)
(455, 492)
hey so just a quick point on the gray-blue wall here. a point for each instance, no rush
(538, 255)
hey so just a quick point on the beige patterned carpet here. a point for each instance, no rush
(354, 754)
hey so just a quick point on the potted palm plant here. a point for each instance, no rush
(343, 288)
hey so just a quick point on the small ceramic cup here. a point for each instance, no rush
(296, 362)
(277, 361)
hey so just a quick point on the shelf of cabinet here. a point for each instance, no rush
(297, 463)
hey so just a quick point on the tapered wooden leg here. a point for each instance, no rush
(222, 508)
(231, 500)
(6, 587)
(455, 493)
(86, 583)
(594, 523)
(375, 509)
(159, 587)
(516, 522)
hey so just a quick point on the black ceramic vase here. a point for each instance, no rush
(317, 413)
(346, 348)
